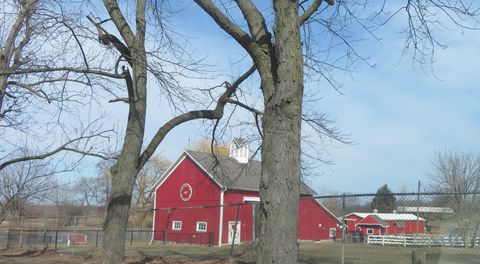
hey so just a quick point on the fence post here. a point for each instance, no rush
(254, 205)
(166, 227)
(96, 239)
(8, 237)
(418, 211)
(21, 234)
(45, 239)
(234, 230)
(344, 229)
(131, 237)
(56, 238)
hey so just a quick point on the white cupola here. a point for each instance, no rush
(239, 150)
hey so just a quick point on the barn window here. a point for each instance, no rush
(177, 225)
(201, 226)
(370, 231)
(333, 232)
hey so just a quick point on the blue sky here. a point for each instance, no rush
(397, 114)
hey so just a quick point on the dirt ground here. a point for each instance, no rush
(309, 253)
(48, 257)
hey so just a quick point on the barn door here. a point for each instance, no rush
(232, 233)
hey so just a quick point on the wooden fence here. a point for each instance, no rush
(431, 241)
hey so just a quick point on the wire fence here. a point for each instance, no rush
(348, 228)
(92, 238)
(416, 227)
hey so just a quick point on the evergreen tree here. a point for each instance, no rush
(384, 201)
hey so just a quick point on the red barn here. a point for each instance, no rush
(384, 224)
(207, 195)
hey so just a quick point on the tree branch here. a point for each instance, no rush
(225, 23)
(311, 10)
(63, 147)
(59, 69)
(217, 113)
(106, 39)
(120, 21)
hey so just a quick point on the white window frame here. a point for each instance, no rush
(201, 229)
(370, 231)
(174, 227)
(332, 232)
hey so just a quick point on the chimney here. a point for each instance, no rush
(239, 150)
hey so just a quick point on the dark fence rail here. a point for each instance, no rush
(94, 237)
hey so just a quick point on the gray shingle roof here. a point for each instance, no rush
(233, 174)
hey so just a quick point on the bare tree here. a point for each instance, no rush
(459, 173)
(131, 47)
(279, 59)
(150, 173)
(143, 194)
(205, 145)
(34, 99)
(23, 184)
(90, 191)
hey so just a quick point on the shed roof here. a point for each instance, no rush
(373, 219)
(390, 216)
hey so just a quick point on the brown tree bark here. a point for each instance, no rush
(280, 182)
(279, 62)
(131, 158)
(127, 167)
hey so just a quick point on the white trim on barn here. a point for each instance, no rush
(220, 223)
(176, 225)
(202, 226)
(247, 199)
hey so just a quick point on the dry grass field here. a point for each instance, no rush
(309, 253)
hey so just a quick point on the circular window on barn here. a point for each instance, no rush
(185, 192)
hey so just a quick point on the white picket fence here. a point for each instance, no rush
(423, 240)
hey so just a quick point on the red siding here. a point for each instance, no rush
(409, 227)
(355, 222)
(314, 222)
(204, 193)
(244, 216)
(352, 220)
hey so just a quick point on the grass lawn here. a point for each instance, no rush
(363, 253)
(308, 253)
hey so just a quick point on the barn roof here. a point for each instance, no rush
(390, 216)
(232, 174)
(373, 219)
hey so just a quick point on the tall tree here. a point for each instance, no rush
(274, 43)
(114, 63)
(384, 201)
(132, 158)
(24, 183)
(459, 173)
(34, 99)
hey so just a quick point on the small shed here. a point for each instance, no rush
(385, 223)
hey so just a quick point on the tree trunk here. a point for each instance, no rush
(116, 220)
(280, 182)
(125, 171)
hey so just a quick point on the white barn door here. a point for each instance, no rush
(231, 232)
